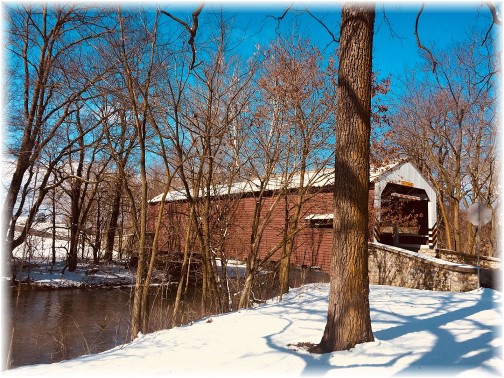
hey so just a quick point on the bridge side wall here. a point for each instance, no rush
(397, 267)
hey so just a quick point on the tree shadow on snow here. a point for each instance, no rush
(319, 364)
(447, 356)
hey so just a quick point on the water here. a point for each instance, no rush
(55, 325)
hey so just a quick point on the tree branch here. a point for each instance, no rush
(191, 29)
(495, 19)
(419, 43)
(386, 20)
(306, 10)
(334, 38)
(279, 19)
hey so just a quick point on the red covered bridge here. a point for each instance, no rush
(396, 192)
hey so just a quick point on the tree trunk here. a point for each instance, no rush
(138, 309)
(255, 239)
(247, 290)
(283, 270)
(456, 225)
(348, 319)
(292, 226)
(76, 206)
(184, 270)
(53, 218)
(114, 217)
(22, 166)
(97, 240)
(446, 221)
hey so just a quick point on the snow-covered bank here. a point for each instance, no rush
(42, 274)
(417, 333)
(38, 271)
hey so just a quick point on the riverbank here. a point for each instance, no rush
(42, 274)
(59, 316)
(417, 332)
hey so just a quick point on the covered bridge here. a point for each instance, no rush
(402, 205)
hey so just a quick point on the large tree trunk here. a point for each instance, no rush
(348, 320)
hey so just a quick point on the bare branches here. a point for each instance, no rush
(430, 57)
(191, 29)
(386, 20)
(307, 11)
(453, 121)
(279, 19)
(334, 38)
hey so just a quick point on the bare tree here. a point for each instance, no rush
(266, 148)
(81, 176)
(452, 118)
(88, 211)
(134, 48)
(55, 79)
(170, 127)
(303, 94)
(121, 142)
(210, 113)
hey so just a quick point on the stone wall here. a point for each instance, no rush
(398, 267)
(465, 258)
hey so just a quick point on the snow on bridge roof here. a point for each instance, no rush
(315, 178)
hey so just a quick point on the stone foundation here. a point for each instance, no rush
(398, 267)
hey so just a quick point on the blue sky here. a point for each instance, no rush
(440, 25)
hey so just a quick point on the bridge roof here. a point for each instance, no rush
(314, 178)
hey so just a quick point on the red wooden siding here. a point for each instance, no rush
(312, 244)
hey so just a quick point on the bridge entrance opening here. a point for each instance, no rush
(402, 219)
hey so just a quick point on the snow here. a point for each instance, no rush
(315, 178)
(86, 275)
(38, 270)
(417, 332)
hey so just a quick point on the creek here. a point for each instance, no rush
(55, 325)
(52, 325)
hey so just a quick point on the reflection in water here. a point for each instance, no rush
(54, 325)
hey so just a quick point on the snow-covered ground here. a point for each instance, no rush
(36, 254)
(37, 269)
(417, 332)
